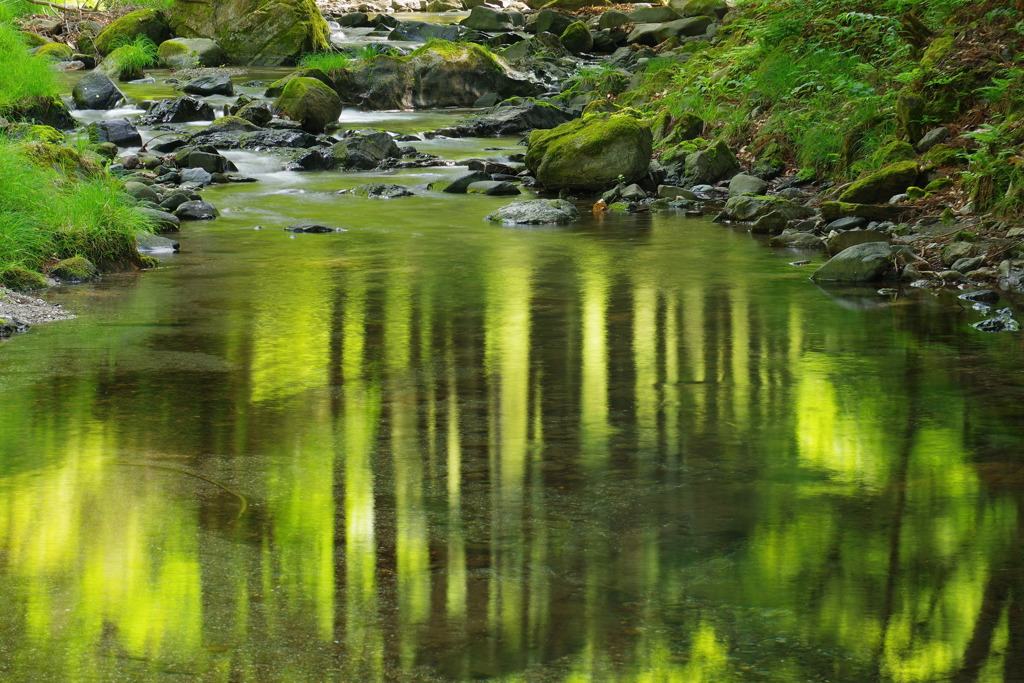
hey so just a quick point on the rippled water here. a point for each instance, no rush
(428, 448)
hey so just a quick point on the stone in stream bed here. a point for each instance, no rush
(118, 131)
(536, 212)
(196, 211)
(313, 228)
(219, 84)
(96, 91)
(382, 191)
(493, 188)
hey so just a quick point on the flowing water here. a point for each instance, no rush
(427, 448)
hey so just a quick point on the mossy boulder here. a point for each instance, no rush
(34, 39)
(58, 52)
(254, 32)
(576, 38)
(699, 8)
(31, 132)
(831, 211)
(231, 123)
(309, 102)
(891, 152)
(883, 184)
(277, 87)
(869, 262)
(185, 53)
(45, 111)
(22, 279)
(151, 23)
(74, 270)
(716, 162)
(438, 74)
(590, 154)
(754, 207)
(944, 155)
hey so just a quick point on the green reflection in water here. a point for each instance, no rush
(523, 455)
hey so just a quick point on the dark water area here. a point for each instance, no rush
(428, 448)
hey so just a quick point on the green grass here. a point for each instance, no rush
(129, 59)
(51, 209)
(25, 76)
(328, 62)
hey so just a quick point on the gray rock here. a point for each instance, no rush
(460, 183)
(682, 28)
(198, 176)
(839, 241)
(493, 188)
(966, 265)
(365, 151)
(752, 207)
(552, 21)
(148, 243)
(931, 138)
(196, 211)
(488, 100)
(868, 262)
(633, 193)
(653, 15)
(487, 19)
(1002, 321)
(715, 163)
(742, 183)
(382, 191)
(536, 212)
(613, 19)
(182, 110)
(176, 199)
(672, 192)
(957, 251)
(96, 90)
(771, 222)
(141, 192)
(797, 240)
(211, 162)
(644, 34)
(513, 116)
(119, 131)
(209, 85)
(847, 223)
(185, 53)
(162, 220)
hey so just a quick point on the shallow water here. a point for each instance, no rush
(429, 448)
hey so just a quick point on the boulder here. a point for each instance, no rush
(459, 184)
(653, 15)
(439, 74)
(700, 8)
(487, 19)
(118, 131)
(590, 154)
(162, 221)
(209, 85)
(45, 112)
(365, 151)
(742, 183)
(710, 165)
(516, 115)
(254, 32)
(196, 211)
(683, 28)
(382, 191)
(96, 91)
(841, 241)
(150, 23)
(644, 34)
(277, 87)
(141, 192)
(869, 262)
(230, 124)
(148, 243)
(197, 176)
(182, 110)
(576, 38)
(793, 239)
(186, 53)
(257, 113)
(75, 270)
(206, 158)
(493, 188)
(313, 228)
(536, 212)
(422, 31)
(882, 184)
(831, 211)
(309, 102)
(753, 207)
(552, 21)
(57, 52)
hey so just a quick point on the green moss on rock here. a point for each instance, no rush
(22, 279)
(58, 52)
(945, 156)
(891, 152)
(277, 87)
(151, 23)
(576, 38)
(590, 154)
(882, 184)
(310, 102)
(75, 269)
(938, 184)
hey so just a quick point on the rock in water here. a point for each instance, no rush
(868, 262)
(209, 85)
(382, 191)
(590, 154)
(313, 228)
(119, 131)
(96, 91)
(185, 53)
(536, 212)
(151, 23)
(254, 32)
(1002, 321)
(309, 102)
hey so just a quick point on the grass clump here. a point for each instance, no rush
(52, 209)
(130, 58)
(25, 76)
(329, 62)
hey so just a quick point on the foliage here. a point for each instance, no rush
(51, 209)
(25, 76)
(328, 62)
(130, 57)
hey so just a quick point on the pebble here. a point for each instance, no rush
(28, 309)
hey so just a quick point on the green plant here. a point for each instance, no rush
(131, 57)
(328, 62)
(25, 76)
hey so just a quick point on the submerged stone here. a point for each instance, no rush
(536, 212)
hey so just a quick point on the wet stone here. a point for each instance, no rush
(313, 228)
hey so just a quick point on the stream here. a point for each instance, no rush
(429, 448)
